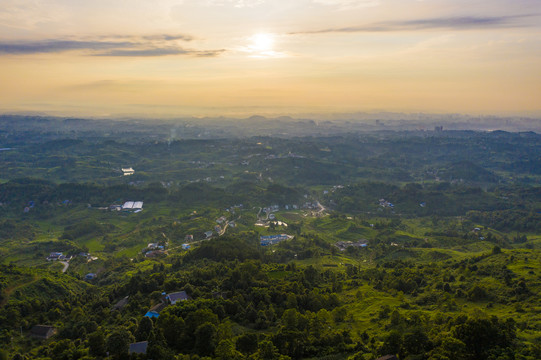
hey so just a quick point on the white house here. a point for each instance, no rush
(128, 171)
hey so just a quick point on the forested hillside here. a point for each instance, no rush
(418, 244)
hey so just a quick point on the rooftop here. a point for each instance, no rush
(180, 295)
(139, 347)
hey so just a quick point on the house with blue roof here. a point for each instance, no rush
(154, 311)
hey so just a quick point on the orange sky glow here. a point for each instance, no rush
(168, 58)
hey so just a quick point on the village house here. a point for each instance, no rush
(55, 256)
(132, 206)
(221, 220)
(138, 347)
(128, 171)
(384, 203)
(120, 304)
(177, 296)
(155, 253)
(155, 311)
(42, 331)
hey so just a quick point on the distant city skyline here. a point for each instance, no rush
(168, 58)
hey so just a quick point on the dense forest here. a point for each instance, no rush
(344, 245)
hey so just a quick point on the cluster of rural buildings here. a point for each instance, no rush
(128, 206)
(56, 256)
(46, 331)
(32, 204)
(273, 239)
(289, 155)
(343, 245)
(384, 203)
(233, 208)
(154, 250)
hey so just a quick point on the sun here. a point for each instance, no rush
(262, 42)
(262, 45)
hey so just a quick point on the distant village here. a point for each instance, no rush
(266, 217)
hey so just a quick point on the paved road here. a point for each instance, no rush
(66, 266)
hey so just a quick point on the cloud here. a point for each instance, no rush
(115, 45)
(161, 52)
(448, 23)
(55, 46)
(168, 37)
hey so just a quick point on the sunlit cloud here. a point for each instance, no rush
(160, 52)
(449, 23)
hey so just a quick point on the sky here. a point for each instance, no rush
(163, 58)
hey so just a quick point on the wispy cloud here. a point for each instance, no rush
(111, 45)
(161, 52)
(454, 23)
(55, 46)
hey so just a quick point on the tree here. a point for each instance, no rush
(157, 346)
(481, 335)
(226, 351)
(416, 341)
(247, 343)
(96, 343)
(205, 339)
(266, 351)
(144, 329)
(63, 349)
(290, 319)
(477, 293)
(172, 328)
(392, 344)
(450, 348)
(118, 342)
